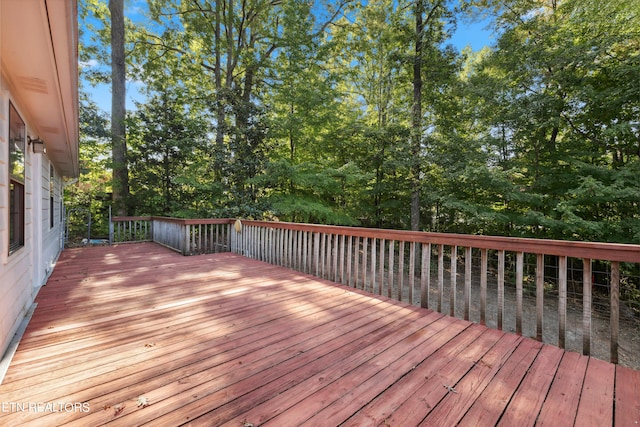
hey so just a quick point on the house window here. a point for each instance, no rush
(16, 180)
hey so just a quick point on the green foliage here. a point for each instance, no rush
(272, 109)
(91, 194)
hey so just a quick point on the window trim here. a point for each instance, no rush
(17, 209)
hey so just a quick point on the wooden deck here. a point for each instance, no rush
(137, 334)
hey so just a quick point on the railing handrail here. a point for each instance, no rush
(577, 249)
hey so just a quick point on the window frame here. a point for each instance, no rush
(17, 179)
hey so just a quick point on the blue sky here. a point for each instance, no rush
(475, 34)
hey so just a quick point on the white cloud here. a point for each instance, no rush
(88, 64)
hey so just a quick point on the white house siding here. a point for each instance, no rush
(26, 270)
(51, 235)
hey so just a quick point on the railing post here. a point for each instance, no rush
(390, 279)
(483, 286)
(539, 295)
(562, 301)
(412, 270)
(615, 309)
(519, 284)
(440, 276)
(373, 265)
(467, 281)
(381, 266)
(500, 288)
(425, 275)
(586, 304)
(400, 279)
(454, 280)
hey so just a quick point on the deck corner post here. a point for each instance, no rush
(186, 244)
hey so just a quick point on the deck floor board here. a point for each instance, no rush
(139, 335)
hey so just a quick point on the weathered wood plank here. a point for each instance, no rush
(627, 397)
(442, 377)
(455, 404)
(596, 398)
(393, 380)
(561, 404)
(526, 403)
(491, 404)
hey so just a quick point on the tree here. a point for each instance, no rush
(168, 152)
(120, 182)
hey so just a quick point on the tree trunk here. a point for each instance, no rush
(218, 77)
(118, 110)
(417, 119)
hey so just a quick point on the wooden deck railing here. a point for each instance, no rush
(187, 236)
(460, 275)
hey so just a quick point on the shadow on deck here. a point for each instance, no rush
(136, 334)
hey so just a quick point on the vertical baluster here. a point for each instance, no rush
(373, 265)
(305, 245)
(329, 253)
(341, 260)
(500, 288)
(316, 253)
(400, 280)
(440, 276)
(615, 309)
(272, 245)
(586, 304)
(365, 247)
(539, 295)
(309, 252)
(290, 239)
(300, 244)
(276, 245)
(392, 247)
(283, 247)
(519, 284)
(334, 252)
(254, 242)
(381, 266)
(323, 256)
(215, 239)
(454, 281)
(356, 262)
(349, 255)
(412, 270)
(562, 301)
(425, 275)
(483, 286)
(202, 231)
(467, 281)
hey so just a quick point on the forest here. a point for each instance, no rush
(363, 113)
